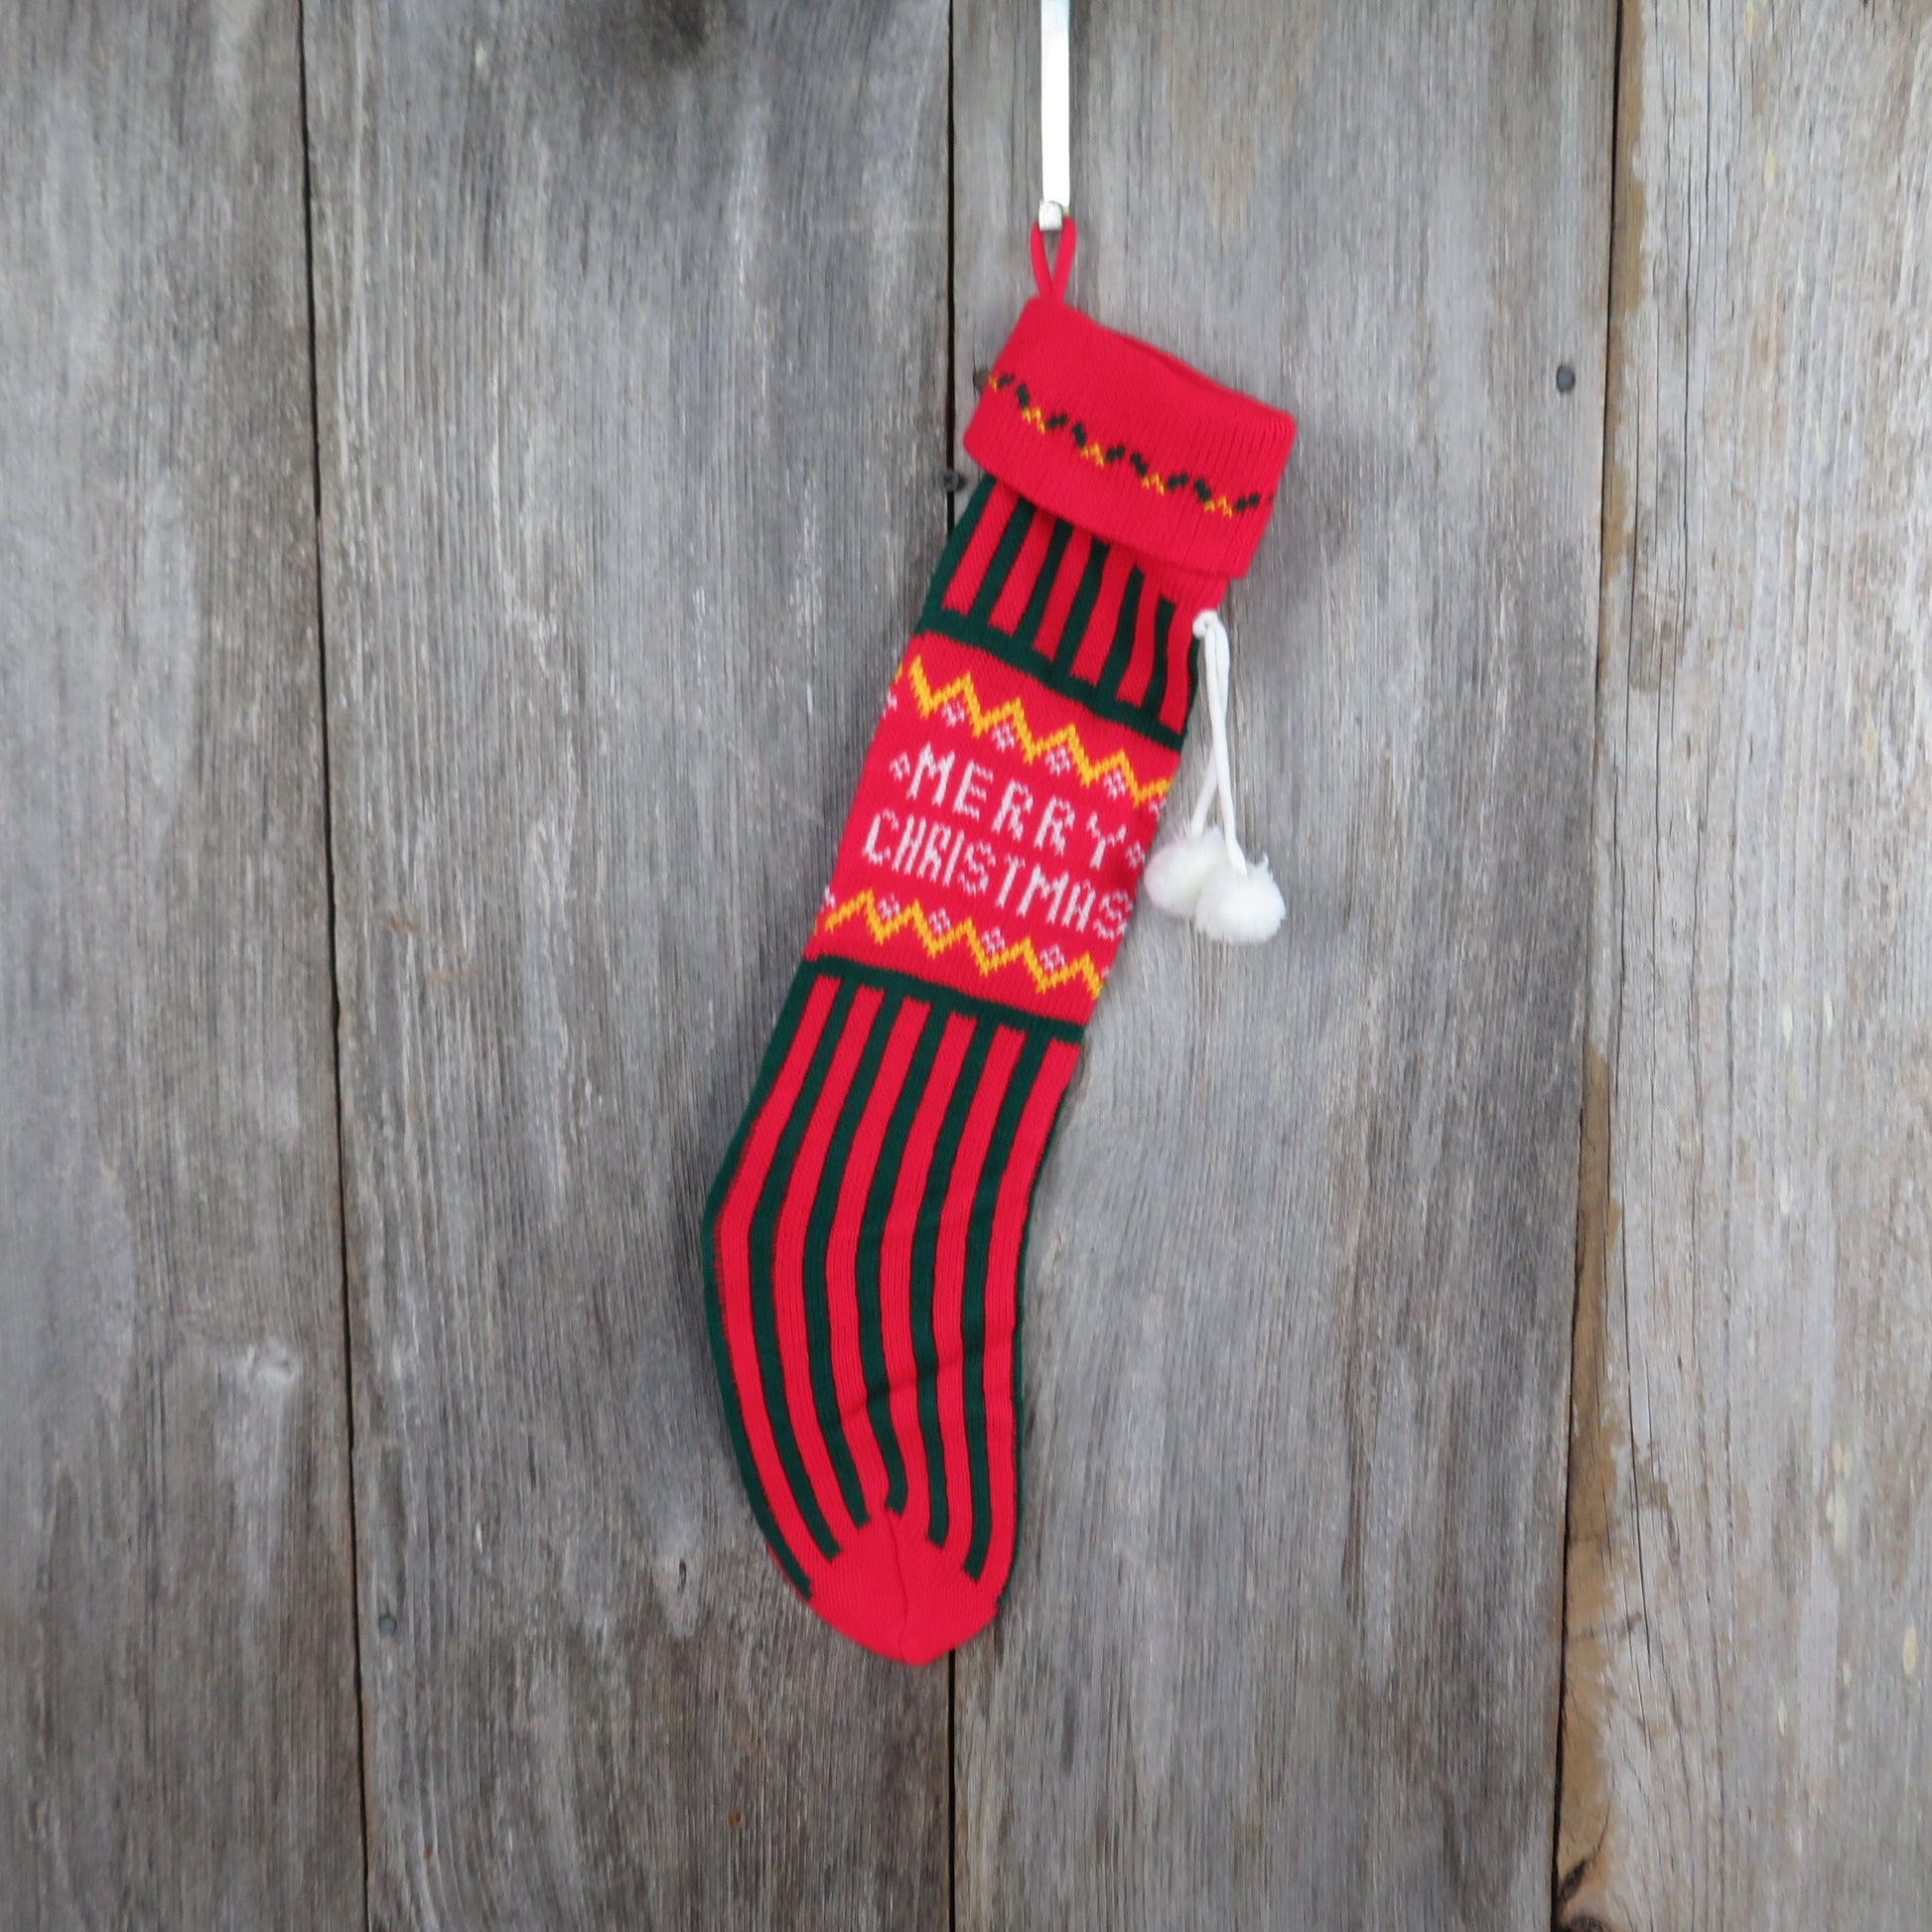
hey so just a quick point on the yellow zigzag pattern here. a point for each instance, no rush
(865, 906)
(1066, 739)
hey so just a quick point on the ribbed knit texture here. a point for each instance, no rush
(1125, 441)
(866, 1233)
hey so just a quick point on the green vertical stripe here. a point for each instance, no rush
(972, 1317)
(1001, 568)
(955, 553)
(1122, 651)
(925, 1273)
(770, 1067)
(765, 1309)
(1156, 684)
(819, 1243)
(1044, 589)
(1081, 610)
(872, 1235)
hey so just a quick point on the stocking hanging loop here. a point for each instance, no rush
(1053, 281)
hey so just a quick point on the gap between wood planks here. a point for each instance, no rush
(1593, 1114)
(334, 970)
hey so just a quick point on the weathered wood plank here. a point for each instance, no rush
(1282, 1644)
(632, 345)
(177, 1674)
(1745, 1732)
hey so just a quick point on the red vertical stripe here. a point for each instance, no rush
(950, 1291)
(735, 1271)
(1178, 643)
(841, 1265)
(1060, 600)
(896, 1261)
(788, 1262)
(1099, 636)
(1017, 589)
(1003, 1300)
(987, 533)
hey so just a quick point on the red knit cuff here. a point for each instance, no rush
(1127, 442)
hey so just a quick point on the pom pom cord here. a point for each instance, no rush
(1216, 673)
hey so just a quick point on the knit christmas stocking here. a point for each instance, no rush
(866, 1234)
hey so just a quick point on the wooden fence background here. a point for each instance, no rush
(465, 474)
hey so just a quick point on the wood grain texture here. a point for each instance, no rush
(1750, 1571)
(176, 1672)
(632, 325)
(1281, 1647)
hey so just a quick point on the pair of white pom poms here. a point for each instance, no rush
(1203, 875)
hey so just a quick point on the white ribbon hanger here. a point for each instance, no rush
(1055, 113)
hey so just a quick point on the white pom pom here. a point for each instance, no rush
(1177, 874)
(1240, 908)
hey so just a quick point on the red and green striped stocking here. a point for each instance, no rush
(866, 1236)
